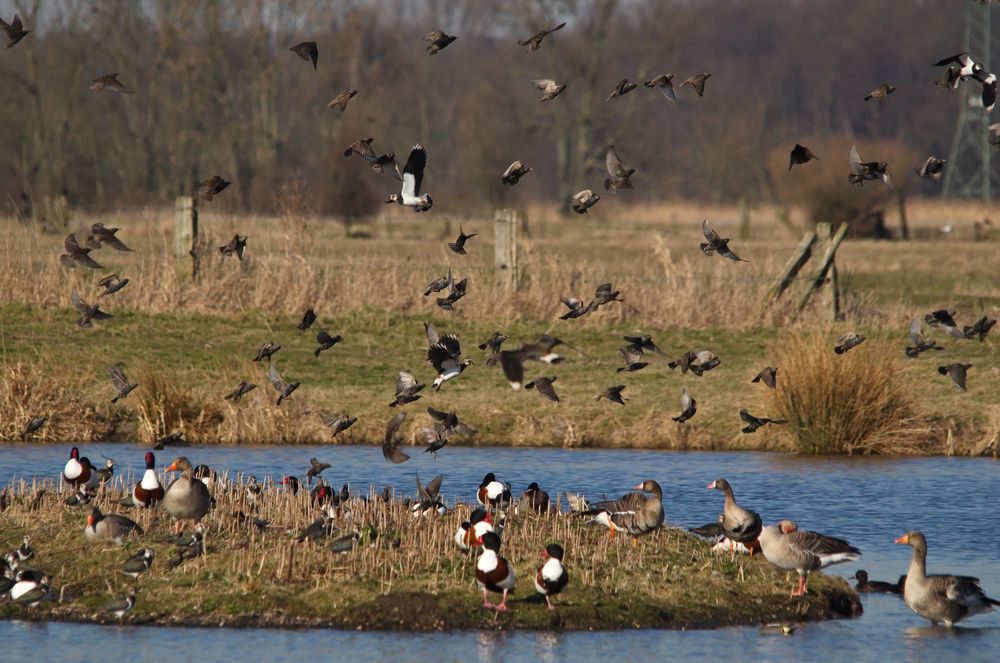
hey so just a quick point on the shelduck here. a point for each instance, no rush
(552, 577)
(75, 473)
(469, 533)
(148, 492)
(493, 572)
(493, 493)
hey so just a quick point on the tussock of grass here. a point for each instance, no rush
(670, 580)
(855, 403)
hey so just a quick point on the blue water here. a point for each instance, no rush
(867, 501)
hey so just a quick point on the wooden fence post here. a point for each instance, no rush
(825, 265)
(798, 260)
(904, 226)
(505, 222)
(186, 236)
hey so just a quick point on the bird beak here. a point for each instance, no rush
(90, 520)
(479, 540)
(903, 539)
(711, 486)
(171, 468)
(389, 200)
(638, 487)
(544, 554)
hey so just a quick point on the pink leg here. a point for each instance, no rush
(801, 591)
(486, 599)
(549, 602)
(503, 602)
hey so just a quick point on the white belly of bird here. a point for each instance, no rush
(21, 588)
(72, 469)
(494, 489)
(551, 571)
(149, 480)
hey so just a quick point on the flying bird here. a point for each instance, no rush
(413, 177)
(456, 290)
(407, 389)
(576, 308)
(77, 255)
(103, 236)
(716, 244)
(122, 386)
(515, 171)
(697, 83)
(111, 283)
(583, 201)
(15, 32)
(665, 84)
(438, 40)
(989, 81)
(943, 319)
(768, 375)
(643, 344)
(280, 384)
(613, 394)
(326, 341)
(315, 469)
(307, 51)
(340, 101)
(633, 360)
(213, 186)
(848, 341)
(451, 423)
(957, 373)
(689, 406)
(109, 82)
(33, 425)
(242, 389)
(753, 423)
(881, 92)
(867, 170)
(980, 328)
(964, 65)
(623, 88)
(932, 169)
(340, 423)
(87, 311)
(535, 42)
(266, 351)
(920, 342)
(445, 355)
(493, 344)
(458, 246)
(800, 154)
(544, 387)
(390, 447)
(308, 318)
(618, 175)
(235, 247)
(549, 87)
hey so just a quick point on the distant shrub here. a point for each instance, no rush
(855, 403)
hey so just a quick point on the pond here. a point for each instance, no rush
(867, 501)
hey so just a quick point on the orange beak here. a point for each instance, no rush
(90, 520)
(172, 467)
(903, 539)
(638, 487)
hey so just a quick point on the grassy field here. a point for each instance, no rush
(189, 343)
(263, 578)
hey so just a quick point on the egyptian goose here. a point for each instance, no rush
(875, 586)
(148, 492)
(633, 513)
(787, 548)
(738, 524)
(111, 527)
(471, 531)
(492, 493)
(187, 498)
(940, 598)
(75, 473)
(551, 578)
(493, 572)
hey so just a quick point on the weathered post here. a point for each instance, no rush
(186, 236)
(832, 243)
(505, 222)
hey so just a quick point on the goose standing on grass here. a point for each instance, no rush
(148, 492)
(787, 548)
(111, 527)
(551, 578)
(634, 513)
(940, 598)
(413, 178)
(493, 572)
(187, 498)
(739, 525)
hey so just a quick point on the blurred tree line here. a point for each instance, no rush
(218, 92)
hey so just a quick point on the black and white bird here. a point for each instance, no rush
(551, 578)
(413, 177)
(944, 319)
(989, 82)
(407, 389)
(515, 171)
(446, 357)
(965, 64)
(688, 407)
(280, 384)
(121, 608)
(138, 563)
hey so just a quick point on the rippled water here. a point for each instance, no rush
(868, 501)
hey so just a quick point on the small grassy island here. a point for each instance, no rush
(402, 572)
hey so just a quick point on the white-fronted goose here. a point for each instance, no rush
(940, 598)
(787, 548)
(634, 513)
(111, 527)
(493, 572)
(187, 498)
(148, 492)
(551, 578)
(738, 524)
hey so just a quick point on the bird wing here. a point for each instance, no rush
(613, 163)
(118, 376)
(364, 150)
(279, 382)
(404, 381)
(857, 167)
(961, 58)
(686, 400)
(819, 544)
(451, 343)
(432, 489)
(749, 418)
(389, 447)
(544, 84)
(512, 363)
(916, 335)
(433, 36)
(82, 307)
(437, 415)
(546, 389)
(71, 245)
(709, 234)
(630, 355)
(414, 168)
(432, 333)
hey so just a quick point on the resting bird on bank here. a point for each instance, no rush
(739, 525)
(940, 598)
(634, 513)
(111, 527)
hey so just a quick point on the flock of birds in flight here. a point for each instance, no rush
(939, 598)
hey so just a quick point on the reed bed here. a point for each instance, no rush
(406, 573)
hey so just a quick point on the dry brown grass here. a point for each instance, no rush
(28, 389)
(405, 566)
(855, 403)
